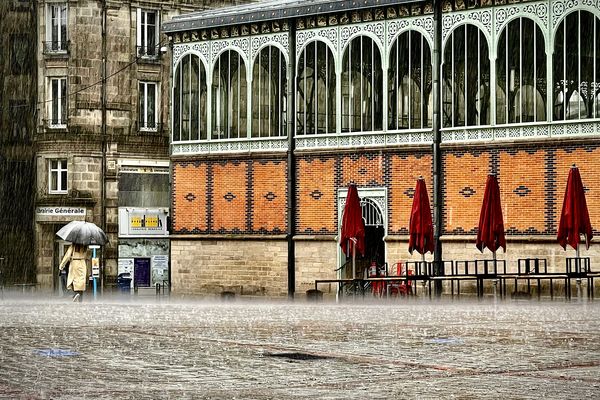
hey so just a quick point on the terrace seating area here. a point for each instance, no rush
(527, 278)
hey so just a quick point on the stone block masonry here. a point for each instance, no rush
(245, 267)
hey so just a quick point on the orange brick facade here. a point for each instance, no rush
(229, 197)
(250, 196)
(532, 184)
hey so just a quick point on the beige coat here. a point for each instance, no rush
(76, 254)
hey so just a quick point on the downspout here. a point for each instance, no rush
(437, 139)
(291, 163)
(103, 134)
(170, 130)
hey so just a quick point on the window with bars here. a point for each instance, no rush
(269, 83)
(362, 92)
(316, 90)
(466, 78)
(229, 97)
(148, 94)
(56, 28)
(147, 33)
(521, 73)
(409, 83)
(576, 69)
(58, 102)
(57, 176)
(189, 100)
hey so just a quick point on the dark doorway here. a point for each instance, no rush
(141, 272)
(374, 244)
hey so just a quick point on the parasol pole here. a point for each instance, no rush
(578, 270)
(495, 280)
(353, 258)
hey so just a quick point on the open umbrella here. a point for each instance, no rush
(353, 227)
(574, 218)
(82, 232)
(421, 226)
(490, 231)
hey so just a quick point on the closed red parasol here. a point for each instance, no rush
(491, 224)
(574, 218)
(352, 237)
(421, 226)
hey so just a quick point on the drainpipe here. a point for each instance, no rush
(437, 139)
(291, 163)
(170, 113)
(103, 134)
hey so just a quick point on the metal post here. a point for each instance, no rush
(437, 138)
(103, 144)
(291, 162)
(94, 276)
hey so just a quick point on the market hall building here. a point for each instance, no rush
(277, 107)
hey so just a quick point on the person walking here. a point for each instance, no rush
(75, 257)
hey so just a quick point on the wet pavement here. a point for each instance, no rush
(118, 348)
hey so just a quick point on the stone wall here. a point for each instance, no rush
(245, 267)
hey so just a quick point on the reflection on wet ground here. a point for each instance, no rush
(55, 349)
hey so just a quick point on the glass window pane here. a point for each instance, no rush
(177, 105)
(63, 180)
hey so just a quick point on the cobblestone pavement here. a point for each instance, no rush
(51, 348)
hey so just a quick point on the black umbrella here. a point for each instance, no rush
(82, 232)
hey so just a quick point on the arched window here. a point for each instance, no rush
(466, 78)
(229, 97)
(576, 66)
(362, 86)
(409, 82)
(189, 100)
(269, 83)
(521, 72)
(315, 88)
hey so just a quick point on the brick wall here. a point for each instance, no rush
(532, 183)
(249, 197)
(230, 197)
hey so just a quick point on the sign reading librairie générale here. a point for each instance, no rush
(61, 211)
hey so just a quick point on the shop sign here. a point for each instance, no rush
(95, 267)
(125, 266)
(160, 269)
(143, 222)
(143, 170)
(61, 211)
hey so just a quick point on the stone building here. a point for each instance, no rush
(17, 127)
(102, 140)
(277, 107)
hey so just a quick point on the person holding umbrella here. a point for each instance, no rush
(80, 234)
(75, 258)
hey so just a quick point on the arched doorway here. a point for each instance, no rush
(373, 202)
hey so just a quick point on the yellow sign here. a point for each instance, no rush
(136, 221)
(145, 221)
(152, 222)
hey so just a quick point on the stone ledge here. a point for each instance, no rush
(226, 237)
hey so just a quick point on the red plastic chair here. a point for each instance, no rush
(402, 288)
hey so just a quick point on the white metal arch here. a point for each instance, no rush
(321, 39)
(283, 50)
(238, 50)
(370, 35)
(195, 53)
(593, 11)
(478, 25)
(418, 29)
(538, 21)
